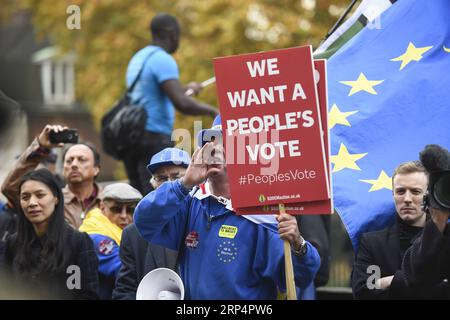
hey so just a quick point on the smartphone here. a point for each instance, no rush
(65, 136)
(210, 135)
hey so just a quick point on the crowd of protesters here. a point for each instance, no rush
(79, 241)
(69, 238)
(58, 233)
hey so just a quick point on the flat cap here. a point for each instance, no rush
(121, 192)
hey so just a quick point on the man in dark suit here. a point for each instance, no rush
(139, 258)
(8, 221)
(316, 230)
(137, 255)
(377, 272)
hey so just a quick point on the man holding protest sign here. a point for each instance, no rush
(263, 95)
(274, 113)
(223, 255)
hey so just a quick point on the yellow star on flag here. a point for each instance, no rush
(344, 159)
(383, 181)
(362, 84)
(336, 116)
(412, 53)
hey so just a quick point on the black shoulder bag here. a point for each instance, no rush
(123, 125)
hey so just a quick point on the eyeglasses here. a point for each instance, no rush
(117, 209)
(161, 179)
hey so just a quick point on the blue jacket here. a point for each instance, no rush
(106, 237)
(108, 255)
(223, 255)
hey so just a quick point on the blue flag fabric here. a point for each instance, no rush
(389, 96)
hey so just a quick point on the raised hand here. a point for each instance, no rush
(44, 136)
(205, 161)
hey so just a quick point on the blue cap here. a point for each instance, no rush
(217, 124)
(216, 130)
(169, 156)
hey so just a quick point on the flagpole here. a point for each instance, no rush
(341, 18)
(289, 269)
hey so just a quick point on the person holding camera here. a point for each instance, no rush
(427, 261)
(158, 90)
(81, 167)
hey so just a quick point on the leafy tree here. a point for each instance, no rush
(112, 31)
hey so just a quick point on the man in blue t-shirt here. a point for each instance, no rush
(159, 90)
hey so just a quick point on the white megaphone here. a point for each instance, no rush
(160, 284)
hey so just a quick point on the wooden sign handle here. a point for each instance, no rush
(289, 269)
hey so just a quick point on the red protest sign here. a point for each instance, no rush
(271, 127)
(313, 207)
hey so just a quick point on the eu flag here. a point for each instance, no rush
(389, 96)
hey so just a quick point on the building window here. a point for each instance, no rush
(57, 76)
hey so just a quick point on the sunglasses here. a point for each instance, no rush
(117, 209)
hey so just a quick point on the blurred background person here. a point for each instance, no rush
(50, 163)
(8, 226)
(316, 230)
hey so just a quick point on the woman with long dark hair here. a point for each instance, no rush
(46, 254)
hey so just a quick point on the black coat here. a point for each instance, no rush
(316, 230)
(382, 249)
(427, 262)
(139, 258)
(8, 219)
(80, 253)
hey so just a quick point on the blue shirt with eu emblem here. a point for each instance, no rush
(223, 255)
